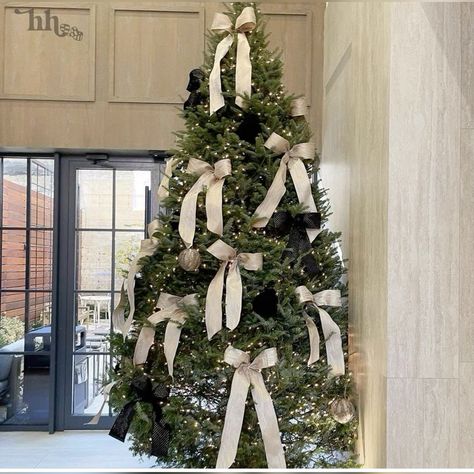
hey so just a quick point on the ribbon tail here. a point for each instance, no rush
(243, 70)
(160, 438)
(313, 339)
(121, 425)
(333, 341)
(118, 315)
(302, 184)
(268, 422)
(97, 416)
(234, 418)
(215, 221)
(131, 302)
(145, 340)
(216, 99)
(277, 190)
(163, 191)
(300, 243)
(214, 302)
(187, 217)
(171, 342)
(233, 296)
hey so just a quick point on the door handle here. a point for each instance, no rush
(147, 209)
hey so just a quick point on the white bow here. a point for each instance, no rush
(291, 161)
(147, 248)
(233, 297)
(245, 22)
(248, 374)
(212, 178)
(331, 331)
(173, 312)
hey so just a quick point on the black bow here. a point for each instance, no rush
(249, 128)
(298, 241)
(195, 97)
(266, 303)
(155, 394)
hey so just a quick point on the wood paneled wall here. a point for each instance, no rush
(112, 74)
(407, 205)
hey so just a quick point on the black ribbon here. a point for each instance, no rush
(196, 76)
(155, 394)
(298, 241)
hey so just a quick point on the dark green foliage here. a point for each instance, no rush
(200, 389)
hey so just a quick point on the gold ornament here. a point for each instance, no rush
(189, 260)
(342, 410)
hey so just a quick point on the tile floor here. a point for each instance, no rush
(69, 450)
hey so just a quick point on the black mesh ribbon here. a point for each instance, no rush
(298, 242)
(147, 392)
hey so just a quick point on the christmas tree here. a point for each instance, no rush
(231, 335)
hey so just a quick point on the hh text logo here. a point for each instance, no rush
(44, 21)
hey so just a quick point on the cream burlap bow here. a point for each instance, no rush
(127, 292)
(243, 67)
(171, 310)
(291, 161)
(233, 297)
(211, 178)
(331, 331)
(248, 374)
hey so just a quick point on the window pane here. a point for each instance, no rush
(94, 260)
(41, 259)
(39, 313)
(93, 315)
(94, 199)
(24, 389)
(127, 245)
(13, 259)
(42, 192)
(12, 321)
(14, 192)
(130, 199)
(89, 374)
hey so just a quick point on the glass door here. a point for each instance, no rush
(27, 234)
(107, 212)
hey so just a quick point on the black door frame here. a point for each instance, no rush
(65, 325)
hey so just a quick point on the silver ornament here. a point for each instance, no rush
(189, 260)
(342, 410)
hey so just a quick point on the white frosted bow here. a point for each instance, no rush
(171, 310)
(291, 161)
(147, 248)
(211, 178)
(331, 331)
(248, 374)
(233, 296)
(244, 23)
(163, 189)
